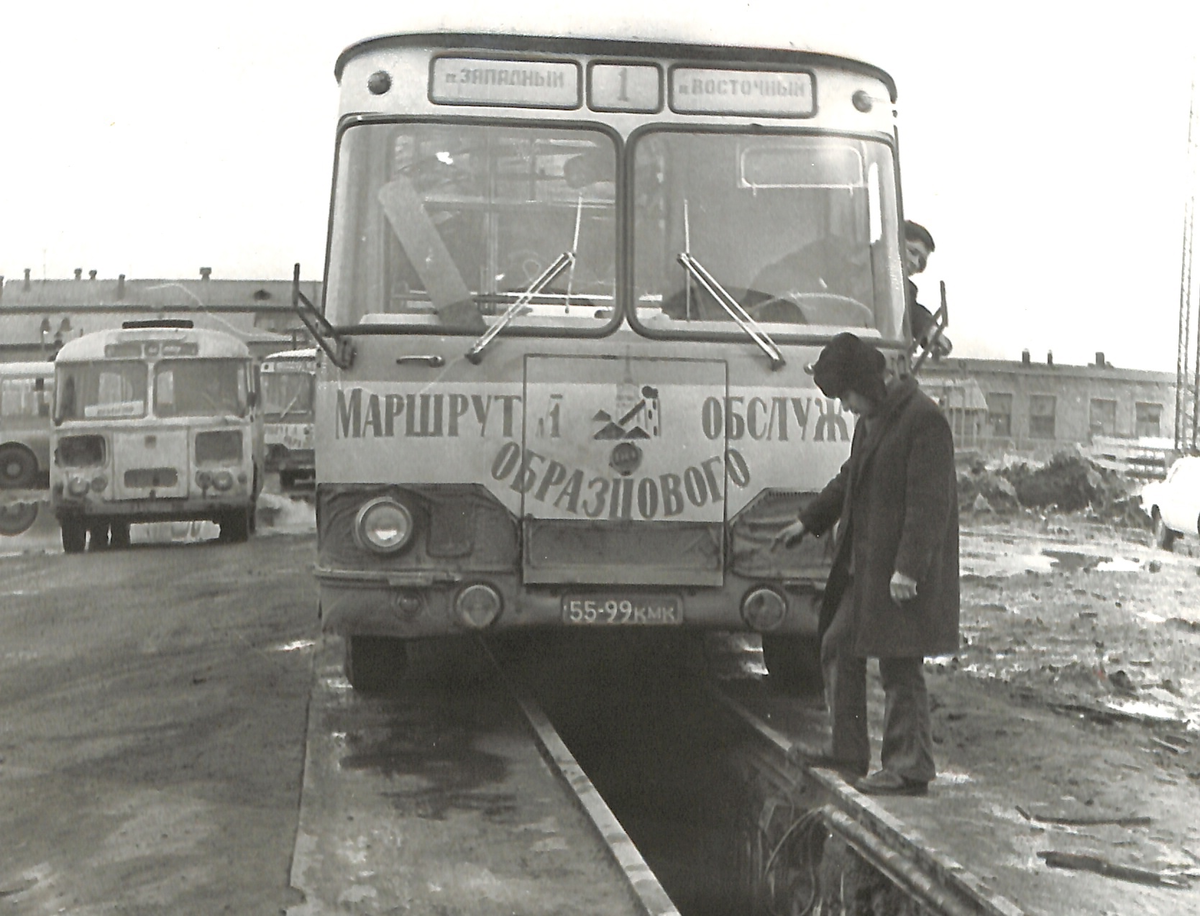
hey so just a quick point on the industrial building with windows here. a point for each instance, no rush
(1042, 407)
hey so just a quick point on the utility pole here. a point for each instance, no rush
(1185, 433)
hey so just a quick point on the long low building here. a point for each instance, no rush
(38, 316)
(1042, 407)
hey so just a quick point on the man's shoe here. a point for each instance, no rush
(823, 760)
(885, 782)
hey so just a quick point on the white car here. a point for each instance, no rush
(1173, 504)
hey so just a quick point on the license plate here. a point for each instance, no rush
(598, 610)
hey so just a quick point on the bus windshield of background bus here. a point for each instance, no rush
(200, 388)
(286, 395)
(109, 389)
(446, 225)
(800, 230)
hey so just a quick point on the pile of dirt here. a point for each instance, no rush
(1068, 482)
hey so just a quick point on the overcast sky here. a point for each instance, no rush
(1043, 144)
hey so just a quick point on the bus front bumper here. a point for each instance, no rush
(420, 604)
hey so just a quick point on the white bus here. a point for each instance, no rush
(572, 287)
(287, 382)
(155, 421)
(26, 393)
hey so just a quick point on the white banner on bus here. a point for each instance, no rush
(525, 83)
(782, 93)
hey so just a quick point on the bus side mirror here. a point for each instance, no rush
(252, 398)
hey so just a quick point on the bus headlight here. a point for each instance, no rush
(99, 482)
(478, 605)
(763, 609)
(222, 480)
(383, 525)
(77, 486)
(203, 480)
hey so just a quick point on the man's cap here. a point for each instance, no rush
(914, 230)
(849, 364)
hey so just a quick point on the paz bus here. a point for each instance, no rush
(286, 381)
(573, 289)
(154, 421)
(26, 392)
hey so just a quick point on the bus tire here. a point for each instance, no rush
(375, 664)
(17, 518)
(119, 539)
(98, 536)
(1164, 537)
(235, 526)
(18, 467)
(74, 535)
(793, 664)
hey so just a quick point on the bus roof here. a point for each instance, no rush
(209, 344)
(758, 41)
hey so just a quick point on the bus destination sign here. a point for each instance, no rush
(779, 93)
(523, 83)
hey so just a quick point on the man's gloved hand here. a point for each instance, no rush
(790, 535)
(902, 587)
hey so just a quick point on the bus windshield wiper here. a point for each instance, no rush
(547, 276)
(700, 274)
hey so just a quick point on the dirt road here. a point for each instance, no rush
(152, 715)
(153, 702)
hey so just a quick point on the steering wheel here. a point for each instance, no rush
(816, 308)
(527, 262)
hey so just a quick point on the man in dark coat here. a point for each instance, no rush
(893, 590)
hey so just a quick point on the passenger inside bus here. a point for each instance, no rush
(826, 282)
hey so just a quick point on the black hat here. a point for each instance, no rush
(850, 364)
(917, 232)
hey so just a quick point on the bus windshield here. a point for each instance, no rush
(447, 225)
(112, 388)
(286, 394)
(799, 229)
(200, 388)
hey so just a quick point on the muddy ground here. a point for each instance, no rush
(1078, 689)
(154, 701)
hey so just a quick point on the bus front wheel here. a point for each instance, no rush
(18, 467)
(375, 664)
(235, 526)
(74, 535)
(793, 663)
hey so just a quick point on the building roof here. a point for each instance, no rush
(47, 313)
(968, 366)
(122, 293)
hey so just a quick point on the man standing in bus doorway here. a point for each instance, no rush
(893, 589)
(918, 246)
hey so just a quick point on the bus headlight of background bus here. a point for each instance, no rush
(763, 608)
(478, 605)
(222, 480)
(383, 525)
(77, 485)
